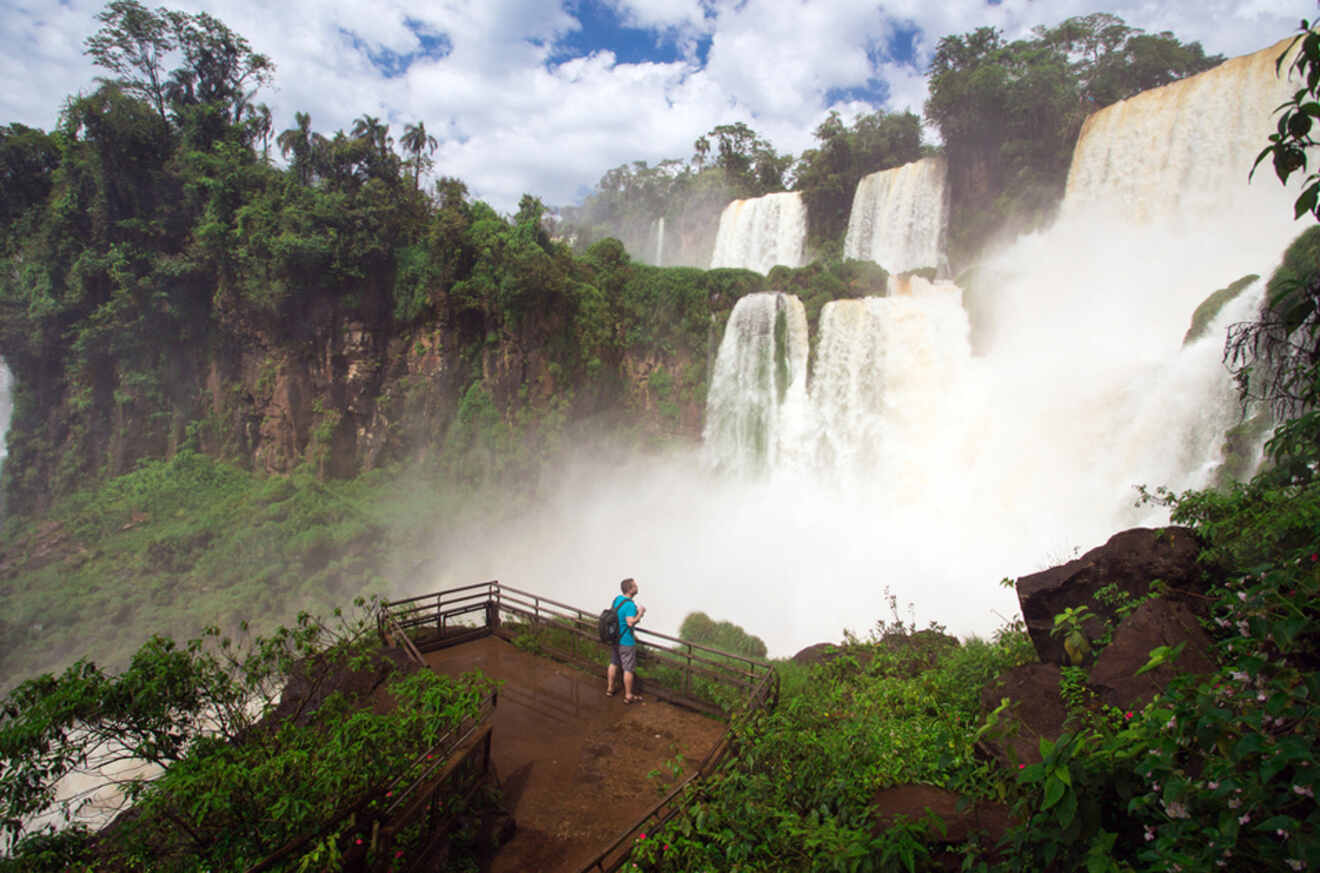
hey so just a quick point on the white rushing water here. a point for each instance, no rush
(758, 389)
(905, 463)
(759, 233)
(898, 216)
(6, 408)
(660, 241)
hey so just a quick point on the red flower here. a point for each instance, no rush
(1315, 557)
(1127, 715)
(358, 841)
(1022, 766)
(399, 853)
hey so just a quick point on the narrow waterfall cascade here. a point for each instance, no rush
(759, 233)
(758, 390)
(6, 408)
(898, 217)
(660, 241)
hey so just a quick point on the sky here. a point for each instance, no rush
(540, 97)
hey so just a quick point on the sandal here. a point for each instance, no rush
(636, 698)
(610, 693)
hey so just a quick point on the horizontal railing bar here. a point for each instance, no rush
(721, 671)
(391, 603)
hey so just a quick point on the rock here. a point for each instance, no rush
(1130, 560)
(961, 818)
(1153, 624)
(906, 654)
(1036, 711)
(820, 653)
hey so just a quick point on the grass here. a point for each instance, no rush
(189, 542)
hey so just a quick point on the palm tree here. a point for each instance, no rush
(368, 127)
(415, 139)
(299, 141)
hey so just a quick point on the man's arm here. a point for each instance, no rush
(636, 616)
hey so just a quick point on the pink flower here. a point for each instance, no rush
(399, 853)
(358, 841)
(1022, 766)
(1127, 715)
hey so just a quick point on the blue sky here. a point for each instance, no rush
(543, 97)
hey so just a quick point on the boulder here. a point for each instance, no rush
(962, 818)
(1035, 711)
(1130, 560)
(1153, 624)
(820, 653)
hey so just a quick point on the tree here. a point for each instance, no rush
(224, 68)
(369, 129)
(259, 123)
(298, 141)
(416, 140)
(133, 43)
(1010, 113)
(219, 65)
(1276, 358)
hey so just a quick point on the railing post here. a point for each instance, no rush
(687, 674)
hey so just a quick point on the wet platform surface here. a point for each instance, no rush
(573, 763)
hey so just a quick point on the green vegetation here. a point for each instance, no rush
(700, 628)
(192, 541)
(249, 762)
(1210, 307)
(798, 795)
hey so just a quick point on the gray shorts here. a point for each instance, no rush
(624, 657)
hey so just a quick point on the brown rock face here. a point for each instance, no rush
(1130, 560)
(1153, 624)
(1035, 711)
(961, 818)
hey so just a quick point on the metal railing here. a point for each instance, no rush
(677, 668)
(453, 767)
(672, 669)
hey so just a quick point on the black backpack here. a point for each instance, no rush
(608, 627)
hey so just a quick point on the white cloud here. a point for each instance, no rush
(511, 123)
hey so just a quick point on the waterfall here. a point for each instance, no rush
(6, 408)
(758, 388)
(880, 381)
(757, 234)
(903, 463)
(660, 241)
(898, 216)
(1182, 153)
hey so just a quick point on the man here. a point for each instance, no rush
(623, 654)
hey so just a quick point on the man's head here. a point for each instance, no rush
(628, 586)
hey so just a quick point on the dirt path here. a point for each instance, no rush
(573, 763)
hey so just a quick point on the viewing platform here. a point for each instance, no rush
(583, 774)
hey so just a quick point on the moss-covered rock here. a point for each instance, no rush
(1285, 292)
(1211, 306)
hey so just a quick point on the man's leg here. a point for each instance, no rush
(610, 673)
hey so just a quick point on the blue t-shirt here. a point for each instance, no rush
(625, 607)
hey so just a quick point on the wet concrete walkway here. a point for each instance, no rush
(573, 763)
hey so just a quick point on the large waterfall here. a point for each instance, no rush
(759, 233)
(903, 461)
(898, 216)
